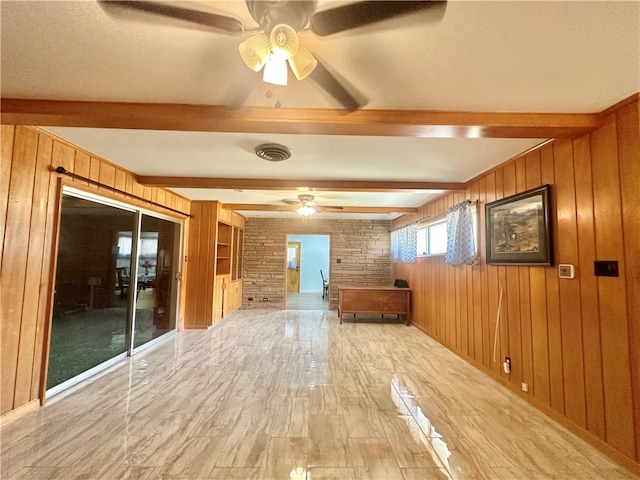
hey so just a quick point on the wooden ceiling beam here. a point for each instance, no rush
(301, 185)
(256, 207)
(217, 118)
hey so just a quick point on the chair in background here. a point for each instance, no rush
(123, 280)
(325, 286)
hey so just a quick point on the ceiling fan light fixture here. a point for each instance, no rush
(306, 199)
(306, 211)
(302, 63)
(284, 41)
(255, 51)
(275, 70)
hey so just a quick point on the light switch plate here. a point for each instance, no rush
(605, 268)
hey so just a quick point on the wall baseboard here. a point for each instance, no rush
(20, 411)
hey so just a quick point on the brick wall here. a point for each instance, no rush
(361, 246)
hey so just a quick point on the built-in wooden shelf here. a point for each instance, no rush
(223, 249)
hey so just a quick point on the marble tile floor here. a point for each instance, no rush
(306, 301)
(294, 395)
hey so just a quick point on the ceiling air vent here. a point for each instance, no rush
(273, 152)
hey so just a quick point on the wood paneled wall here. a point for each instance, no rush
(30, 193)
(575, 342)
(202, 306)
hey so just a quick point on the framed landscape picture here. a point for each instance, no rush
(518, 229)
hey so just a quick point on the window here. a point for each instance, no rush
(437, 238)
(422, 241)
(474, 212)
(432, 236)
(148, 251)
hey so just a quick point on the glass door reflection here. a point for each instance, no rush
(91, 303)
(156, 295)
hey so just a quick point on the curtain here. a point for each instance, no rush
(404, 244)
(461, 248)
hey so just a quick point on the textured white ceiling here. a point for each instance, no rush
(329, 157)
(557, 56)
(530, 56)
(206, 154)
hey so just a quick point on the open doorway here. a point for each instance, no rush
(307, 264)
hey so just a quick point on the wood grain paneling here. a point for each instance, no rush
(614, 327)
(575, 341)
(493, 288)
(205, 289)
(554, 331)
(628, 125)
(592, 347)
(47, 275)
(570, 314)
(14, 258)
(30, 194)
(6, 155)
(484, 273)
(193, 247)
(35, 253)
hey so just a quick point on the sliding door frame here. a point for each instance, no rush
(65, 188)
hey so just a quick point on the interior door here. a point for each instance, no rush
(293, 267)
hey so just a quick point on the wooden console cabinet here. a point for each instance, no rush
(391, 300)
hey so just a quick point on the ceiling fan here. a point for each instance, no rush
(306, 206)
(277, 44)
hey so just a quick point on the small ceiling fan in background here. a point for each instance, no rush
(277, 45)
(306, 206)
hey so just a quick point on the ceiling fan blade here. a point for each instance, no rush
(327, 207)
(359, 14)
(214, 21)
(328, 82)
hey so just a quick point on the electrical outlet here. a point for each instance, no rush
(506, 366)
(250, 299)
(265, 299)
(525, 387)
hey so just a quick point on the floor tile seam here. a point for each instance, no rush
(412, 414)
(366, 465)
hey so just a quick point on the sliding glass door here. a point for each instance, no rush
(90, 311)
(157, 282)
(116, 285)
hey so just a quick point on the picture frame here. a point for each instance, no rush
(518, 229)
